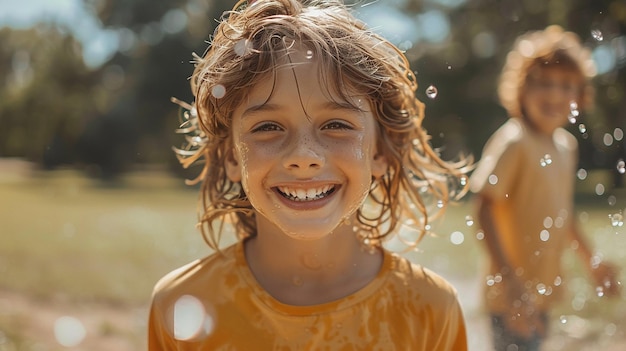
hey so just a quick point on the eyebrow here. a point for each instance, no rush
(328, 105)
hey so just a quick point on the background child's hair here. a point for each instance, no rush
(551, 47)
(248, 45)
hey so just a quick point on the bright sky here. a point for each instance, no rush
(98, 44)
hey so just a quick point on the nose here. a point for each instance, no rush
(304, 152)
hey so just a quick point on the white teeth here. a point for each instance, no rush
(306, 194)
(301, 194)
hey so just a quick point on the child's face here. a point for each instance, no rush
(547, 98)
(305, 160)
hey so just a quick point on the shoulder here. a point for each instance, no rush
(564, 139)
(194, 275)
(501, 154)
(426, 286)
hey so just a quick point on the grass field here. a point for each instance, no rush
(73, 247)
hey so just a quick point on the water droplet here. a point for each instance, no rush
(218, 91)
(558, 281)
(493, 179)
(469, 221)
(545, 160)
(582, 174)
(541, 288)
(607, 139)
(544, 235)
(431, 92)
(480, 235)
(599, 189)
(309, 54)
(582, 128)
(617, 220)
(621, 166)
(242, 47)
(597, 34)
(612, 200)
(297, 281)
(439, 203)
(599, 291)
(490, 280)
(69, 331)
(463, 180)
(573, 112)
(610, 329)
(563, 319)
(457, 238)
(548, 222)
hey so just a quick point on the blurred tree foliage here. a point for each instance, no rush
(56, 111)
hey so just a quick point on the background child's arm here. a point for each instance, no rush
(531, 323)
(494, 247)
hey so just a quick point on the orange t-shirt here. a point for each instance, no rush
(216, 304)
(529, 177)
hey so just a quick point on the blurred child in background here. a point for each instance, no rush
(315, 153)
(525, 186)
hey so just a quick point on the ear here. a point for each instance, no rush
(233, 167)
(379, 165)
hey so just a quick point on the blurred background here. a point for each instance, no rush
(93, 206)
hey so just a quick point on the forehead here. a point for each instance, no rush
(555, 72)
(301, 76)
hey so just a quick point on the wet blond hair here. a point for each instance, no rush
(551, 48)
(248, 45)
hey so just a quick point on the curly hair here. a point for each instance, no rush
(549, 48)
(245, 48)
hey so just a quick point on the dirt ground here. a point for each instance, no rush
(27, 323)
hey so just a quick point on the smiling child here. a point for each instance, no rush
(315, 154)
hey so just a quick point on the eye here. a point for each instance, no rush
(337, 125)
(267, 127)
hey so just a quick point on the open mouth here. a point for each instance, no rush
(305, 194)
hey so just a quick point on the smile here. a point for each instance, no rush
(306, 194)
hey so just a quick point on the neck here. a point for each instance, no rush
(304, 272)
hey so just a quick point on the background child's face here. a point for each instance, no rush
(304, 158)
(547, 97)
